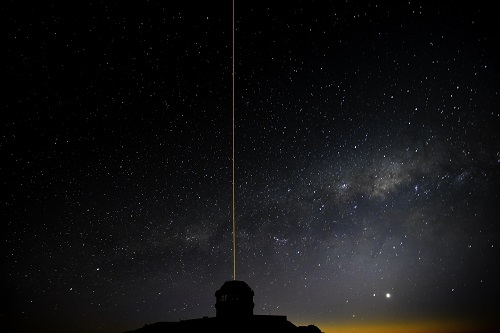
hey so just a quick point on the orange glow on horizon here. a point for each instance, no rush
(421, 326)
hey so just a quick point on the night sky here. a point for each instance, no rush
(366, 162)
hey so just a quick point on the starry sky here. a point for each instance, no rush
(366, 162)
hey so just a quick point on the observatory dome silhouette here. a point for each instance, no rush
(234, 299)
(234, 313)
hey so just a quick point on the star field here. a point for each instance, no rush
(366, 154)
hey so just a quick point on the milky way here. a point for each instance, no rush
(366, 159)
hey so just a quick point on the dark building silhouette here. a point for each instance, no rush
(234, 313)
(234, 300)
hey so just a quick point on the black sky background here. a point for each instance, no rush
(366, 161)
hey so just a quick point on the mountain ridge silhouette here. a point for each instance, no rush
(234, 313)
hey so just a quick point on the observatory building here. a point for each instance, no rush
(234, 313)
(234, 300)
